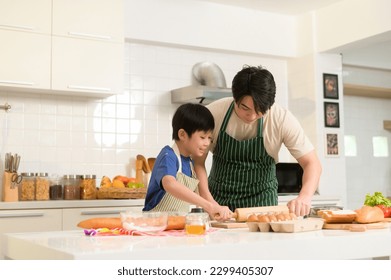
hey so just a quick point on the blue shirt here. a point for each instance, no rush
(166, 164)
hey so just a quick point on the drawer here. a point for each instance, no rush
(30, 220)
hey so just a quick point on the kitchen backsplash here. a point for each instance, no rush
(68, 135)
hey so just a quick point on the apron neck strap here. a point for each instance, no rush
(228, 115)
(178, 155)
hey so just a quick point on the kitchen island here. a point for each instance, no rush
(220, 244)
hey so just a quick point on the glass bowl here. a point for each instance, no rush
(144, 221)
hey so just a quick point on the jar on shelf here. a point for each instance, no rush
(88, 187)
(27, 187)
(71, 187)
(42, 186)
(55, 188)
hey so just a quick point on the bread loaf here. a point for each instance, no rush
(176, 222)
(369, 214)
(95, 223)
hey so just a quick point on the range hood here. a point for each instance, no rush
(208, 85)
(199, 94)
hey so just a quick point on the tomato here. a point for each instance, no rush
(387, 214)
(386, 210)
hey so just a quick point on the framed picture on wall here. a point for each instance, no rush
(330, 86)
(331, 114)
(332, 145)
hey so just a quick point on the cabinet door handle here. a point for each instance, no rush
(21, 215)
(17, 82)
(13, 26)
(101, 212)
(89, 88)
(89, 35)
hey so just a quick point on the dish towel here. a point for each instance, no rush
(121, 231)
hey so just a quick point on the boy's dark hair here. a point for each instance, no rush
(192, 117)
(256, 82)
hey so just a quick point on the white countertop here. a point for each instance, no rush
(223, 244)
(52, 204)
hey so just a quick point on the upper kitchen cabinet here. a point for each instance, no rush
(62, 47)
(25, 34)
(89, 19)
(87, 46)
(87, 66)
(26, 15)
(25, 60)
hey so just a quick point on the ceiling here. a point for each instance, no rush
(372, 52)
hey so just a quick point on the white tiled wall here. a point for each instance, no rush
(365, 172)
(67, 135)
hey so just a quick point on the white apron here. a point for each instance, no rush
(170, 203)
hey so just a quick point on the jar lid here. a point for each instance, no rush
(197, 210)
(71, 176)
(88, 176)
(27, 174)
(42, 174)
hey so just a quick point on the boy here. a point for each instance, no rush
(173, 185)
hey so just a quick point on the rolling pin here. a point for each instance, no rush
(241, 214)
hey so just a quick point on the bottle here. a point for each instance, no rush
(197, 222)
(88, 187)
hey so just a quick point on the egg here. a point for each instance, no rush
(263, 219)
(252, 218)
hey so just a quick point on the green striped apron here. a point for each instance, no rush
(170, 203)
(242, 173)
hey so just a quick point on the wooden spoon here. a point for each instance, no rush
(146, 167)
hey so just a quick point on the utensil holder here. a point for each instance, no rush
(10, 189)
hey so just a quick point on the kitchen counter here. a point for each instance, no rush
(222, 244)
(56, 204)
(53, 204)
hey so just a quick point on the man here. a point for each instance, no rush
(249, 131)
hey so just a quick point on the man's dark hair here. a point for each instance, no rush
(192, 117)
(257, 82)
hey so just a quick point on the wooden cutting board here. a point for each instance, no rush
(356, 227)
(228, 224)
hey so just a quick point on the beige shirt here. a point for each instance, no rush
(279, 127)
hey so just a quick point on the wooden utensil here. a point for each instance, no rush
(355, 226)
(145, 166)
(241, 214)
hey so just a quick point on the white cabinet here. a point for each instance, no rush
(87, 46)
(25, 60)
(26, 15)
(89, 19)
(57, 215)
(62, 47)
(30, 220)
(71, 217)
(80, 65)
(25, 28)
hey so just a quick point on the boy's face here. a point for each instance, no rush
(198, 144)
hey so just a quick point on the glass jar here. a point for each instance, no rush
(88, 187)
(42, 186)
(197, 222)
(27, 187)
(55, 189)
(71, 187)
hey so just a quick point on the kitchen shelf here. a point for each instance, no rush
(366, 91)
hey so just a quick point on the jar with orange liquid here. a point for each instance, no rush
(197, 222)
